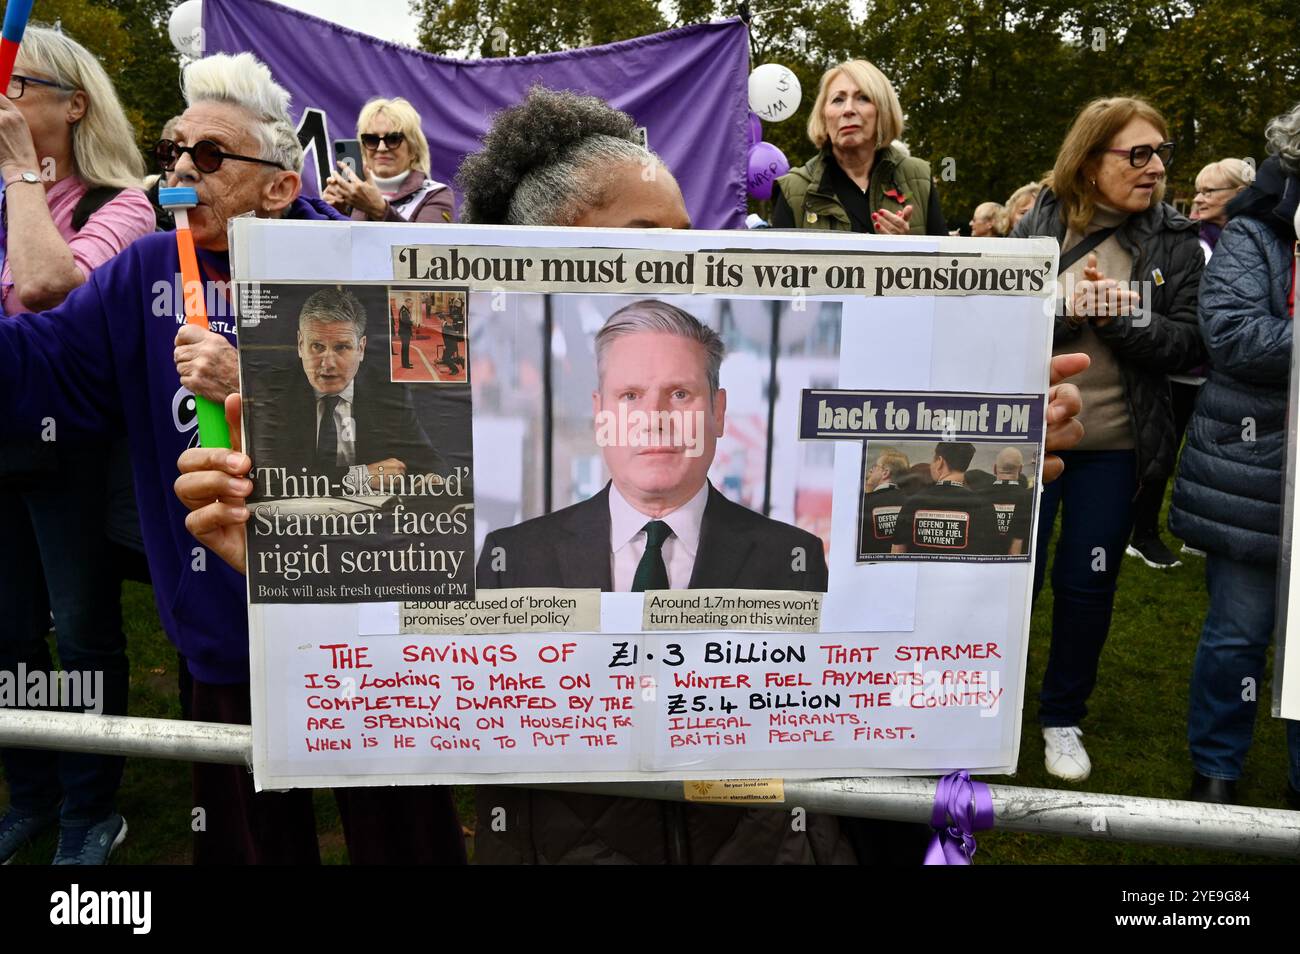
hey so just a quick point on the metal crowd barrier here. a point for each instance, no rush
(1115, 818)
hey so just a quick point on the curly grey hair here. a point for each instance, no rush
(1283, 134)
(548, 160)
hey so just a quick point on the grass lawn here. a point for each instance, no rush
(1135, 733)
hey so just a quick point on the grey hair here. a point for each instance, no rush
(1238, 173)
(334, 306)
(1283, 134)
(245, 81)
(579, 180)
(1007, 458)
(659, 317)
(548, 160)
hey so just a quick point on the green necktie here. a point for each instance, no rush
(651, 574)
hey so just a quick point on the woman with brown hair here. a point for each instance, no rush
(1129, 272)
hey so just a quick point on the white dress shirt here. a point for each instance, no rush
(627, 539)
(346, 428)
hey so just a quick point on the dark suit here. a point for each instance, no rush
(384, 423)
(570, 548)
(453, 332)
(404, 332)
(738, 548)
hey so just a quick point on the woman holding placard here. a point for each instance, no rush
(862, 179)
(1130, 269)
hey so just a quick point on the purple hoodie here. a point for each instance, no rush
(102, 363)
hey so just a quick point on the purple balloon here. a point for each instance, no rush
(766, 164)
(755, 130)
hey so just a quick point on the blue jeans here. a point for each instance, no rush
(56, 555)
(1234, 644)
(1095, 497)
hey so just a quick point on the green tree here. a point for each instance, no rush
(130, 39)
(522, 28)
(988, 87)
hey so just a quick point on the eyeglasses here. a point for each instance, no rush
(205, 153)
(391, 140)
(18, 85)
(1139, 156)
(1212, 191)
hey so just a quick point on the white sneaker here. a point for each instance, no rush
(1065, 756)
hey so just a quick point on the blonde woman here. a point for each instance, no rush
(1021, 201)
(1217, 185)
(396, 187)
(72, 201)
(861, 179)
(65, 147)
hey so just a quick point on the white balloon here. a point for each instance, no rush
(774, 92)
(185, 28)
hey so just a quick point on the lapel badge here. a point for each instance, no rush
(1158, 277)
(811, 217)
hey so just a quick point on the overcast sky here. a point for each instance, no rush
(386, 19)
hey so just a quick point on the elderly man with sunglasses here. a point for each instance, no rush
(109, 359)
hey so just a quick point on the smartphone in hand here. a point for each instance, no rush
(348, 151)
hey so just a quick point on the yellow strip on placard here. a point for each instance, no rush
(735, 790)
(523, 610)
(774, 611)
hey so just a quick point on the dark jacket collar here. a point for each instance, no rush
(1272, 199)
(886, 158)
(1137, 227)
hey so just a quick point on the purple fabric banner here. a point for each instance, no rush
(687, 87)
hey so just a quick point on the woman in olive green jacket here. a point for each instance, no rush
(860, 180)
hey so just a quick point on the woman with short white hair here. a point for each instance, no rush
(989, 221)
(1217, 185)
(396, 186)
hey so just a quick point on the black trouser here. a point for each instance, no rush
(1146, 506)
(397, 825)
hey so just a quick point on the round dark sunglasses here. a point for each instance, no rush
(206, 155)
(391, 140)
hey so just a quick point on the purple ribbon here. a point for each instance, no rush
(961, 808)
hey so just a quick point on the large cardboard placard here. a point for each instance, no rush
(835, 622)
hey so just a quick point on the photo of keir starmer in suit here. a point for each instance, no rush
(326, 415)
(658, 523)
